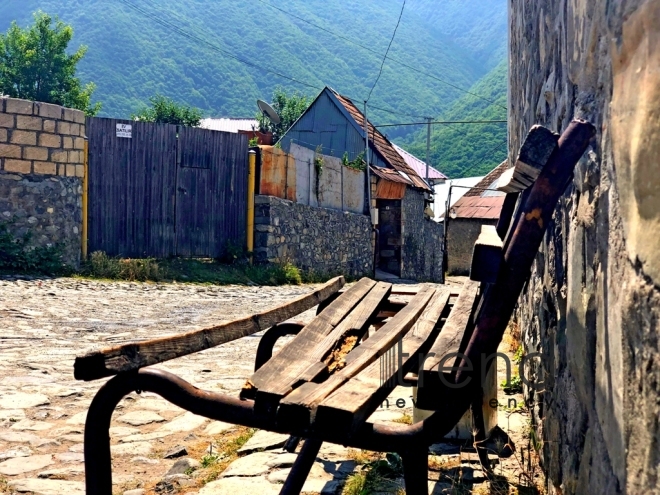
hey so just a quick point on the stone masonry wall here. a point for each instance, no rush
(462, 233)
(592, 306)
(421, 252)
(41, 170)
(318, 239)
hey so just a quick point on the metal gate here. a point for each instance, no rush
(162, 190)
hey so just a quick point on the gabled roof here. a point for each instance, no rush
(382, 145)
(418, 165)
(481, 202)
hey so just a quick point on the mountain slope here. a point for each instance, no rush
(468, 150)
(131, 56)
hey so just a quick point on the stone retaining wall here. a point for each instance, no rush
(318, 239)
(41, 170)
(592, 306)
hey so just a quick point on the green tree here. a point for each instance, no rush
(289, 109)
(34, 65)
(164, 110)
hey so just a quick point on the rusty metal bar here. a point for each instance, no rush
(416, 470)
(98, 475)
(301, 467)
(269, 339)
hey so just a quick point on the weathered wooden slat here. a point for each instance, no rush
(486, 256)
(448, 343)
(534, 154)
(108, 362)
(348, 408)
(297, 407)
(281, 371)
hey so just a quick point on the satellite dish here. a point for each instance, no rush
(268, 111)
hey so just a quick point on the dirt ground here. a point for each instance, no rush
(47, 322)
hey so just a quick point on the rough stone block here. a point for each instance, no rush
(50, 111)
(75, 157)
(50, 140)
(61, 169)
(3, 135)
(24, 137)
(49, 125)
(29, 123)
(10, 151)
(80, 171)
(30, 153)
(67, 142)
(59, 156)
(7, 120)
(64, 127)
(19, 166)
(14, 105)
(70, 170)
(79, 143)
(74, 115)
(75, 129)
(45, 168)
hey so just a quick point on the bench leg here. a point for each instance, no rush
(479, 429)
(416, 470)
(301, 468)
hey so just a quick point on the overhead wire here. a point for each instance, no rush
(483, 158)
(445, 122)
(403, 64)
(382, 64)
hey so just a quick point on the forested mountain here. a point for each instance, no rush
(468, 150)
(221, 55)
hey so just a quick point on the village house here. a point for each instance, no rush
(321, 164)
(480, 205)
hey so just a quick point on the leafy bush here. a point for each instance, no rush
(164, 110)
(17, 255)
(101, 265)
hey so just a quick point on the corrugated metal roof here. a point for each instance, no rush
(382, 144)
(489, 182)
(477, 207)
(229, 124)
(418, 165)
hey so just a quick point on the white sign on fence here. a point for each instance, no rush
(124, 130)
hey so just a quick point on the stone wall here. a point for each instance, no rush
(421, 251)
(41, 170)
(592, 306)
(462, 233)
(319, 239)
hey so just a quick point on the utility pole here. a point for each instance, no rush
(366, 159)
(428, 147)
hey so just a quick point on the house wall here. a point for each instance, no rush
(462, 233)
(322, 240)
(421, 253)
(339, 187)
(592, 306)
(41, 170)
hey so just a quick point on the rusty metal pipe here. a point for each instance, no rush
(98, 475)
(301, 467)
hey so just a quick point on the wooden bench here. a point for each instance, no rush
(326, 382)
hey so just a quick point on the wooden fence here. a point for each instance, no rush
(162, 190)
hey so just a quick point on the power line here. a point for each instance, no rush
(483, 158)
(403, 64)
(214, 47)
(446, 122)
(387, 51)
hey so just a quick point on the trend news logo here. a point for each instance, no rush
(391, 368)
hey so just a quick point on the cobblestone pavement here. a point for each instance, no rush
(47, 322)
